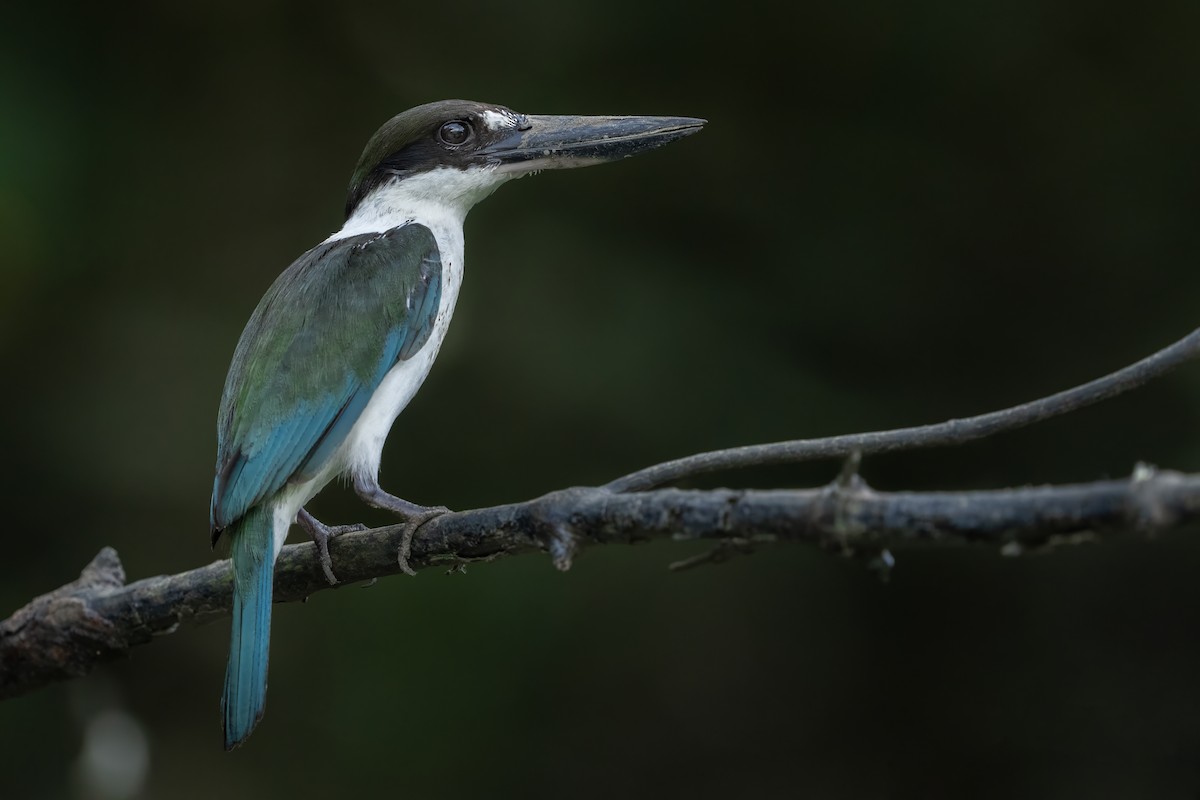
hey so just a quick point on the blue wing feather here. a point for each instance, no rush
(319, 344)
(339, 426)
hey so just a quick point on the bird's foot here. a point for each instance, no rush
(321, 534)
(414, 515)
(414, 521)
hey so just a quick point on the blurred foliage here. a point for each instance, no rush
(899, 213)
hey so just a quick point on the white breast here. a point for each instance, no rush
(364, 445)
(439, 200)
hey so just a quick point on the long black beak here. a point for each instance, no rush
(560, 142)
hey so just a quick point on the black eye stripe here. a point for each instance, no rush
(454, 132)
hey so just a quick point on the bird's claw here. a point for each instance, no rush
(321, 533)
(321, 540)
(411, 524)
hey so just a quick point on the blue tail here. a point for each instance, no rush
(252, 538)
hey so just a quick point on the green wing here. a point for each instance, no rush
(316, 348)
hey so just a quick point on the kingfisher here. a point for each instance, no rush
(345, 336)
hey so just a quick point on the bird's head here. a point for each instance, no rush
(456, 152)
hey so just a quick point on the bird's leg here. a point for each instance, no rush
(321, 534)
(414, 515)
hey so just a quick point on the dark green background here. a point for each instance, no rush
(898, 213)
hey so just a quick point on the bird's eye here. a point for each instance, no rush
(454, 133)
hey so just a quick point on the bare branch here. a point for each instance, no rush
(97, 618)
(954, 431)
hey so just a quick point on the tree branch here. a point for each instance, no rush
(97, 618)
(954, 431)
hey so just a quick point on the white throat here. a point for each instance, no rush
(442, 195)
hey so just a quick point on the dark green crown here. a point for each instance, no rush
(414, 141)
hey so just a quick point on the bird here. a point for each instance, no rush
(344, 337)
